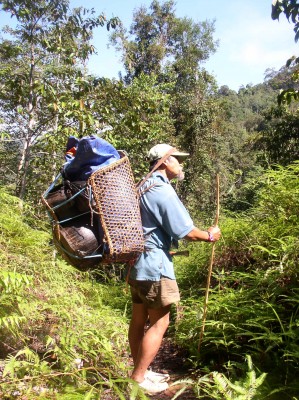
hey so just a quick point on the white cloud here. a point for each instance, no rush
(250, 43)
(256, 54)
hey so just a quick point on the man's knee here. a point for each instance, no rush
(165, 322)
(160, 317)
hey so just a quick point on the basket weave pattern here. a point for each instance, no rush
(117, 204)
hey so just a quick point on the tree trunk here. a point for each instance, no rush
(25, 157)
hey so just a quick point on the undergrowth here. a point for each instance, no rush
(253, 297)
(63, 333)
(60, 338)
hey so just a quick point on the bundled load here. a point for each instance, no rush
(93, 206)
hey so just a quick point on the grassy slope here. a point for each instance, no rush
(54, 319)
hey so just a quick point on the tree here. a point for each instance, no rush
(174, 49)
(147, 45)
(137, 115)
(158, 39)
(280, 138)
(291, 10)
(41, 68)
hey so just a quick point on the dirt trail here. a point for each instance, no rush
(172, 360)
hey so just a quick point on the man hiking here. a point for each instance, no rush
(152, 279)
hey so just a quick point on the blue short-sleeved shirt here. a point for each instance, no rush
(164, 217)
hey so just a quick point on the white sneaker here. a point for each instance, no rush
(151, 387)
(156, 376)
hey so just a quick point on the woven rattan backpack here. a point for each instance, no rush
(97, 222)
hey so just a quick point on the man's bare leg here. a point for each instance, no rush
(150, 342)
(136, 328)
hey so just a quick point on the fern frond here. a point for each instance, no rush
(30, 356)
(11, 281)
(249, 362)
(260, 380)
(11, 365)
(251, 378)
(11, 322)
(222, 385)
(89, 395)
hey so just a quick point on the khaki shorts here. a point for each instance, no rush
(155, 294)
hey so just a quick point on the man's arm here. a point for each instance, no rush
(211, 235)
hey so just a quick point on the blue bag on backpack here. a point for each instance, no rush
(85, 156)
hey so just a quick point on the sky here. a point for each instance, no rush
(250, 42)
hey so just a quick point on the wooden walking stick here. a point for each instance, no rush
(205, 308)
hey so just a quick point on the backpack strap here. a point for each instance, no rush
(141, 193)
(156, 166)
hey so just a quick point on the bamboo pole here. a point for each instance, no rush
(210, 268)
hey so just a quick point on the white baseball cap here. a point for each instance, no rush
(160, 150)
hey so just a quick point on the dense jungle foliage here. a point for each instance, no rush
(63, 332)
